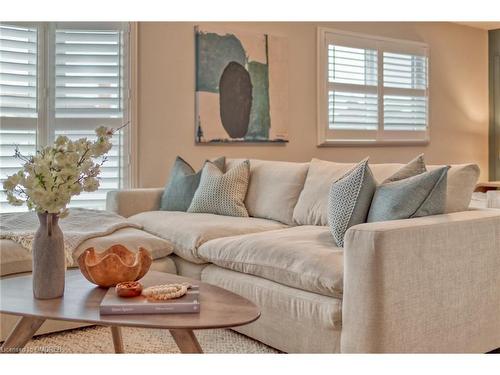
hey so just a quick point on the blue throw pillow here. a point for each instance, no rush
(416, 196)
(182, 185)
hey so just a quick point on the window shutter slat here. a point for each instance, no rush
(405, 71)
(352, 65)
(18, 100)
(9, 139)
(18, 69)
(88, 84)
(405, 113)
(352, 111)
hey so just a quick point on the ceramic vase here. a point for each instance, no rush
(49, 264)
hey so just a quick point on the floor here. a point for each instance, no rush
(139, 340)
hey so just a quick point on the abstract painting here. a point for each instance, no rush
(241, 86)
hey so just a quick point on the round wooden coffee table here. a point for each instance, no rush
(219, 309)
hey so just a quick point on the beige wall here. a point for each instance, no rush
(458, 97)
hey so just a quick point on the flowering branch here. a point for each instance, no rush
(56, 173)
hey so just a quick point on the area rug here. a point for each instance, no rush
(140, 340)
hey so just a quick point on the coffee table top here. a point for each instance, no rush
(220, 308)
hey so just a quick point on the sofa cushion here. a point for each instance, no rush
(303, 257)
(187, 231)
(291, 320)
(188, 269)
(16, 259)
(461, 182)
(274, 188)
(131, 238)
(311, 208)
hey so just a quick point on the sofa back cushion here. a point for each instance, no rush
(311, 208)
(462, 179)
(274, 188)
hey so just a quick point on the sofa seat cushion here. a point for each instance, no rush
(16, 259)
(188, 231)
(291, 320)
(303, 257)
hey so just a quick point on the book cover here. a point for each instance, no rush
(113, 305)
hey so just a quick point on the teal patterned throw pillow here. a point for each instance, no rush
(349, 200)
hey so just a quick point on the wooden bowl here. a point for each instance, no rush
(128, 289)
(114, 265)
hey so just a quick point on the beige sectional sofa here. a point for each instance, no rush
(428, 284)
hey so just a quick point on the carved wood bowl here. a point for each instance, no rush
(114, 265)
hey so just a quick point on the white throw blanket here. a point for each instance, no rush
(80, 225)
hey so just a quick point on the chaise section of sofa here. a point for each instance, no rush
(428, 284)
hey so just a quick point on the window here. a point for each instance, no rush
(371, 90)
(64, 78)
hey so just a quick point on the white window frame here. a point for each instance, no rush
(330, 137)
(46, 89)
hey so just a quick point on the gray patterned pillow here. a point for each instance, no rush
(222, 193)
(349, 200)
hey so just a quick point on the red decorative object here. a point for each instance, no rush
(128, 289)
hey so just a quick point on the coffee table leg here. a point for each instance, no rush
(186, 341)
(21, 334)
(116, 333)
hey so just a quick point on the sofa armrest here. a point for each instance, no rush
(428, 284)
(129, 202)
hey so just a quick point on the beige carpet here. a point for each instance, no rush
(139, 340)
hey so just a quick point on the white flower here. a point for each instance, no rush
(49, 179)
(91, 184)
(13, 200)
(61, 140)
(11, 182)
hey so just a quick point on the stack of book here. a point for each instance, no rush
(113, 305)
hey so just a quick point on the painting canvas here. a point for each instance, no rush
(241, 86)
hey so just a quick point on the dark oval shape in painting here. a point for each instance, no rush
(235, 98)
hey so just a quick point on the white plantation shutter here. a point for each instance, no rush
(89, 74)
(89, 91)
(405, 79)
(352, 88)
(18, 98)
(371, 89)
(352, 110)
(86, 83)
